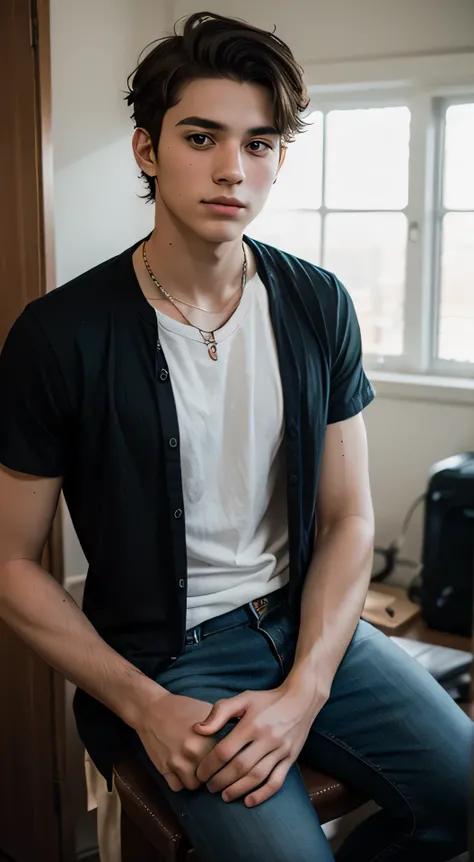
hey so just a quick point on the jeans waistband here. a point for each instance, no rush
(252, 612)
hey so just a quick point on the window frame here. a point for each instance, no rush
(443, 367)
(351, 99)
(427, 104)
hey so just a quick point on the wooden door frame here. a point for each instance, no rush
(35, 777)
(29, 163)
(41, 14)
(54, 557)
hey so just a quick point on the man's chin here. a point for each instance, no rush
(217, 233)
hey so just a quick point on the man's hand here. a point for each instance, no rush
(171, 743)
(260, 750)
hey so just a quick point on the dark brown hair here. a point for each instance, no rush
(212, 46)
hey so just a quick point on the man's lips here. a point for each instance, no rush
(226, 201)
(230, 207)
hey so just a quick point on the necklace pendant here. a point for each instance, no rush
(210, 340)
(212, 351)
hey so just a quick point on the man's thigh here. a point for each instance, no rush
(390, 728)
(283, 829)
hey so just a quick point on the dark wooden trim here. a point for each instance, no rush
(41, 12)
(34, 816)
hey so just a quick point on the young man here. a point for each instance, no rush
(198, 399)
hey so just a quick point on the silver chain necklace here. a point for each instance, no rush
(208, 338)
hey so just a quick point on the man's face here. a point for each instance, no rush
(219, 141)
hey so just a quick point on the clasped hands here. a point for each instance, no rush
(252, 761)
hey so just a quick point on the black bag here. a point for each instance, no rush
(447, 573)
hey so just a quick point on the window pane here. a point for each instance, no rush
(294, 231)
(367, 251)
(456, 324)
(459, 160)
(299, 183)
(367, 158)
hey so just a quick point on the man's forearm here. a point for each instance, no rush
(332, 601)
(45, 616)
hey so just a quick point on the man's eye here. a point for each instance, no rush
(259, 146)
(198, 139)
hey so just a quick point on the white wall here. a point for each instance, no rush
(94, 47)
(406, 437)
(323, 31)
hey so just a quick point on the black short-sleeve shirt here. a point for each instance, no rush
(83, 397)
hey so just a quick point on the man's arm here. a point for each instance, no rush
(338, 577)
(43, 614)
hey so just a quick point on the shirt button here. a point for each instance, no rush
(164, 375)
(181, 583)
(172, 442)
(293, 479)
(178, 513)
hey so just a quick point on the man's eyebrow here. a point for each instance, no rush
(211, 125)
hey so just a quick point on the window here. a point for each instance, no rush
(455, 228)
(392, 214)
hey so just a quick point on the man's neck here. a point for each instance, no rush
(190, 268)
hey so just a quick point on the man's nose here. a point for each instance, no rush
(228, 166)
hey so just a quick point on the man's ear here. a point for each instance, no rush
(145, 156)
(283, 152)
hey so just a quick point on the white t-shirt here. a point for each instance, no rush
(230, 417)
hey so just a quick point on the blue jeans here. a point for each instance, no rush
(388, 728)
